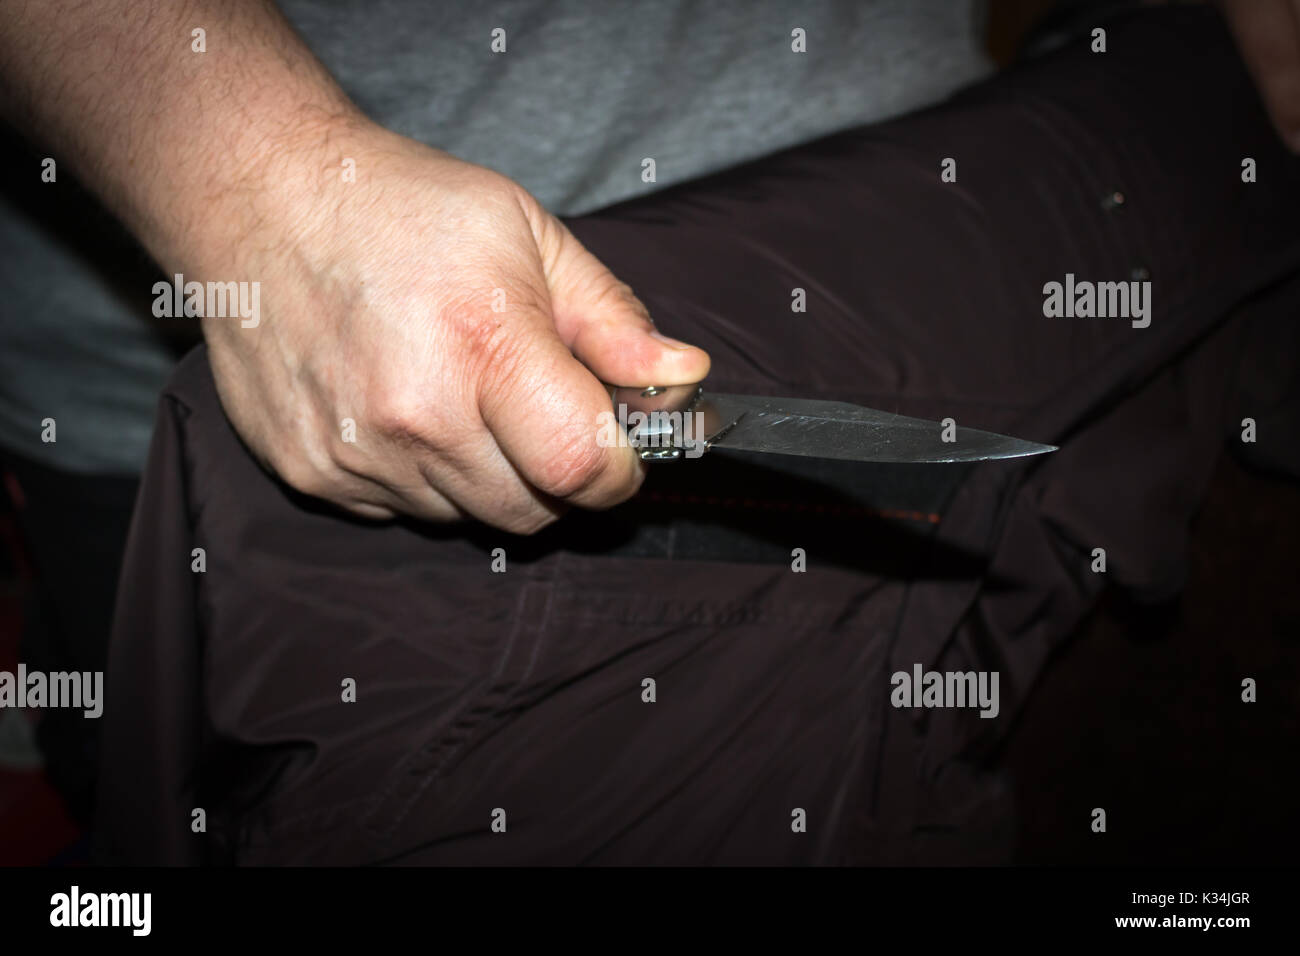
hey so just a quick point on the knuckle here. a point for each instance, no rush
(410, 417)
(491, 348)
(300, 474)
(394, 412)
(619, 293)
(578, 466)
(485, 337)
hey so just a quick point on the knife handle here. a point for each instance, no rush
(646, 413)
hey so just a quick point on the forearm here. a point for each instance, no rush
(179, 144)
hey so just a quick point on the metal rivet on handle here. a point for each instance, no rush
(660, 454)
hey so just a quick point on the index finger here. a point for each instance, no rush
(550, 417)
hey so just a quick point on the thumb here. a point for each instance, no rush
(607, 327)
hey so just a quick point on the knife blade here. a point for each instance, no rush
(683, 421)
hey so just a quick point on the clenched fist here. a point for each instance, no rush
(460, 326)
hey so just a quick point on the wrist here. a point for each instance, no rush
(269, 184)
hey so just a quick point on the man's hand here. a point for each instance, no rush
(1268, 35)
(440, 308)
(432, 302)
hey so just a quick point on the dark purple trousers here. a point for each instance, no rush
(520, 698)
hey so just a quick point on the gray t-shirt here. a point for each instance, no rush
(583, 92)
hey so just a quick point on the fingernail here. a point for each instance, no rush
(671, 343)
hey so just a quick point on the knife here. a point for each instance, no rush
(667, 423)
